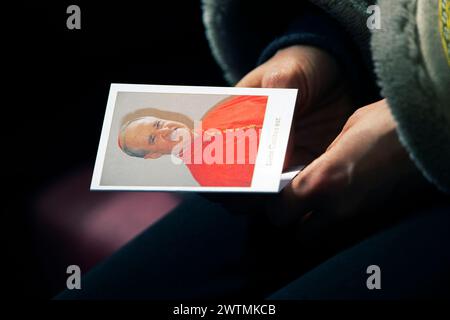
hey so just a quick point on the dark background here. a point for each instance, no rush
(53, 103)
(57, 88)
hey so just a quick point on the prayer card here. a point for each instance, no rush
(186, 138)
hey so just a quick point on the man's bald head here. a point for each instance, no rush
(150, 137)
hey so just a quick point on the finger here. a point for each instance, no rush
(286, 207)
(252, 79)
(285, 74)
(315, 72)
(321, 183)
(335, 141)
(302, 192)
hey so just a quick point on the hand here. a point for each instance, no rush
(323, 103)
(361, 168)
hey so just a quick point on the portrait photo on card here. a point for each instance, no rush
(171, 138)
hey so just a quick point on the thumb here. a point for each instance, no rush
(321, 183)
(313, 71)
(253, 78)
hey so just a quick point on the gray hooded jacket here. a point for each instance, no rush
(410, 54)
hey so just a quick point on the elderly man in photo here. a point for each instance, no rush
(220, 152)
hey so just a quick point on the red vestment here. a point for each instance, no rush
(234, 114)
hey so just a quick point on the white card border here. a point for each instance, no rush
(265, 178)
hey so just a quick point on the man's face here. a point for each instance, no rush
(155, 136)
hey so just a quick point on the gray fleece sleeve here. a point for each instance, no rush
(412, 63)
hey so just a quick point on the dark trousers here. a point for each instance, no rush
(201, 250)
